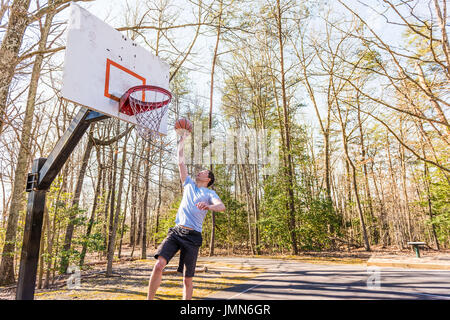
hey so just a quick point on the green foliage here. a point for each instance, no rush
(70, 256)
(316, 222)
(440, 197)
(314, 214)
(95, 242)
(232, 224)
(167, 220)
(273, 222)
(77, 214)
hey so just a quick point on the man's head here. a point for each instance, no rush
(205, 177)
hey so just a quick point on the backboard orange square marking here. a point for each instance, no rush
(110, 63)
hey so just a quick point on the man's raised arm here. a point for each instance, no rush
(181, 164)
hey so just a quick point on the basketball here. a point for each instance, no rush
(183, 125)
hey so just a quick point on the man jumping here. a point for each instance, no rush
(186, 236)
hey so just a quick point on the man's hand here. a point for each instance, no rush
(217, 206)
(202, 205)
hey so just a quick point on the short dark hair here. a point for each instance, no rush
(210, 176)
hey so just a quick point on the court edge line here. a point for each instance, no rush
(257, 285)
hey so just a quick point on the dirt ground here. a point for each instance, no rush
(130, 277)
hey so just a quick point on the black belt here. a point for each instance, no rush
(185, 230)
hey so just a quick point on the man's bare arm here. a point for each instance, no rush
(181, 163)
(217, 205)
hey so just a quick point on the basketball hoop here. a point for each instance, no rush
(148, 104)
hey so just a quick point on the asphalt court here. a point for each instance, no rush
(294, 280)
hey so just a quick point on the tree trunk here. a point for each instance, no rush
(9, 49)
(289, 173)
(139, 200)
(213, 215)
(158, 207)
(360, 211)
(106, 209)
(112, 203)
(56, 225)
(75, 202)
(429, 203)
(256, 206)
(249, 221)
(123, 220)
(355, 184)
(92, 217)
(117, 207)
(383, 227)
(133, 211)
(145, 206)
(366, 178)
(90, 222)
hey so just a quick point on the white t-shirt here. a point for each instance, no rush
(188, 214)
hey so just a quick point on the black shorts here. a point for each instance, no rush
(185, 240)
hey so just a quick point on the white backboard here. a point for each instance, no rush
(101, 64)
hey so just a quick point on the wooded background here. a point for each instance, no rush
(358, 93)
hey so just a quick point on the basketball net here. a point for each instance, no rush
(149, 106)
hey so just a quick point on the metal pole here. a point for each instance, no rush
(44, 171)
(31, 238)
(416, 248)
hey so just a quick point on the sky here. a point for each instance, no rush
(112, 11)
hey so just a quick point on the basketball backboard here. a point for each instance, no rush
(101, 64)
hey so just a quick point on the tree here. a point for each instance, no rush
(9, 51)
(24, 156)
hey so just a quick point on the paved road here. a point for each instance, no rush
(293, 280)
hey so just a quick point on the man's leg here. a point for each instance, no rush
(189, 254)
(155, 279)
(166, 250)
(188, 288)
